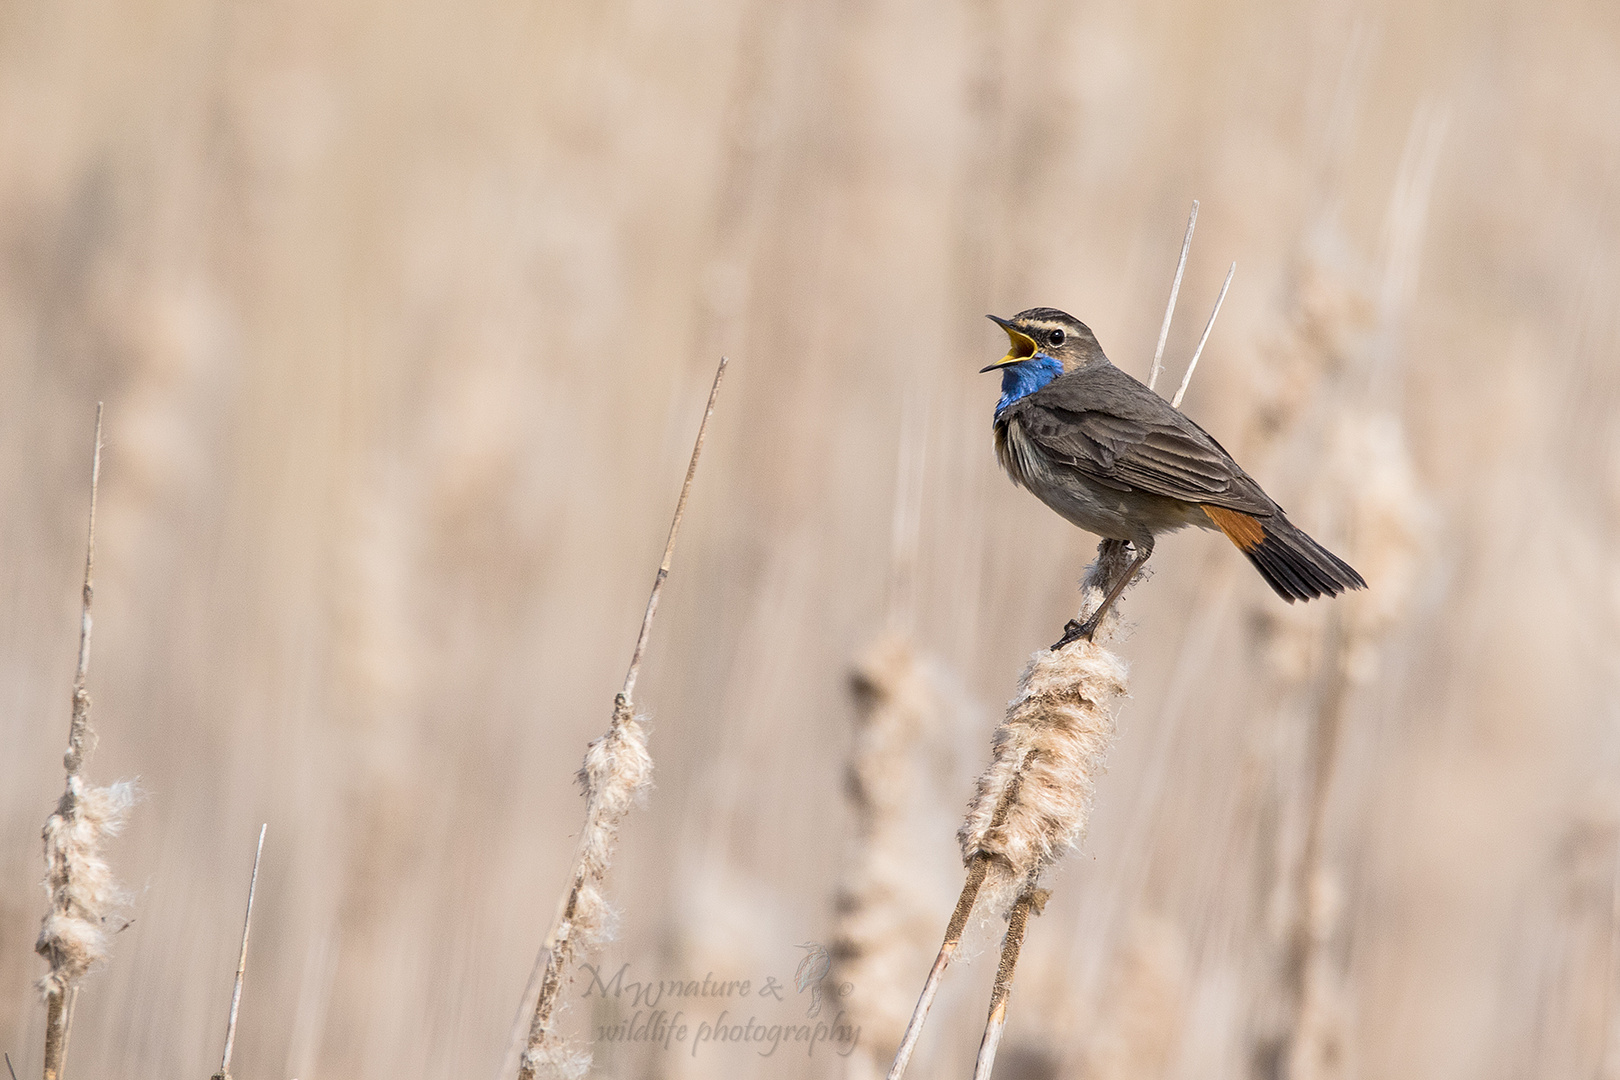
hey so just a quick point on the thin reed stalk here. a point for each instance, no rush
(83, 894)
(1175, 290)
(617, 768)
(1029, 899)
(1192, 365)
(978, 868)
(241, 964)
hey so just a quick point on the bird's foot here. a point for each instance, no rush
(1074, 630)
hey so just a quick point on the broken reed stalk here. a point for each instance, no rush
(1170, 308)
(241, 964)
(616, 769)
(1192, 365)
(83, 894)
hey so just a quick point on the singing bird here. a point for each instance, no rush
(1116, 459)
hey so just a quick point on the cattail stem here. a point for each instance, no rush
(669, 544)
(60, 989)
(1192, 365)
(241, 964)
(978, 870)
(79, 729)
(1001, 990)
(56, 1032)
(616, 766)
(1170, 308)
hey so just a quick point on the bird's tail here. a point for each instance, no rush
(1293, 564)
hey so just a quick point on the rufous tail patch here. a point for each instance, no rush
(1244, 531)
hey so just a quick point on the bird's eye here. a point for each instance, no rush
(1056, 338)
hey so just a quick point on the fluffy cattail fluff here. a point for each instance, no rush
(554, 1058)
(1049, 748)
(886, 918)
(616, 771)
(84, 897)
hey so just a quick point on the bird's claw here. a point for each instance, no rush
(1074, 630)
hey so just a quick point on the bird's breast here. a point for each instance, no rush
(1014, 451)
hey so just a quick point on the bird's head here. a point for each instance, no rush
(1045, 343)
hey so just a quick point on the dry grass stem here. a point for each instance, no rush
(634, 670)
(977, 870)
(73, 935)
(1030, 898)
(241, 964)
(1170, 308)
(1192, 365)
(617, 768)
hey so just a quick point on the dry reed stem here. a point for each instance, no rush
(1170, 308)
(241, 964)
(617, 768)
(83, 894)
(1029, 898)
(978, 869)
(1192, 365)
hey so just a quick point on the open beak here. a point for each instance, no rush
(1023, 346)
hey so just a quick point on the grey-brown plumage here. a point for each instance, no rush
(1116, 459)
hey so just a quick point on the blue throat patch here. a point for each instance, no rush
(1026, 377)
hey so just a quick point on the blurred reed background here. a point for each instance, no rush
(404, 316)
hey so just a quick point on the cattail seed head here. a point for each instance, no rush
(616, 772)
(557, 1060)
(1051, 745)
(1046, 754)
(83, 894)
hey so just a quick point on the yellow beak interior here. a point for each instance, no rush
(1022, 348)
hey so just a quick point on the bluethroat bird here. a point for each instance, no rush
(1116, 459)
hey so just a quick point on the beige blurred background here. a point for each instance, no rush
(403, 315)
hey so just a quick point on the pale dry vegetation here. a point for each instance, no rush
(403, 316)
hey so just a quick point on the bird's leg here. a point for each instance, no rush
(1075, 630)
(1109, 552)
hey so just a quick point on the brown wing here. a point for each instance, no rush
(1122, 435)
